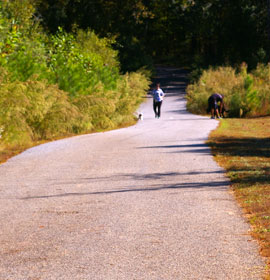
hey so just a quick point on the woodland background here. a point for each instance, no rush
(189, 32)
(70, 67)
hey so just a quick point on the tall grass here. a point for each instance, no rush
(245, 94)
(34, 110)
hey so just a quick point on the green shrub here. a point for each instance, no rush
(221, 80)
(261, 76)
(57, 85)
(22, 49)
(244, 94)
(79, 62)
(33, 110)
(107, 109)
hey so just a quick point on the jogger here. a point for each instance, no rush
(158, 95)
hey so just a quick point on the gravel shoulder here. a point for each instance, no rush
(144, 202)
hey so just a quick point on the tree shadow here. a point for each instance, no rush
(204, 149)
(156, 187)
(184, 120)
(152, 176)
(251, 171)
(243, 147)
(180, 112)
(249, 176)
(139, 187)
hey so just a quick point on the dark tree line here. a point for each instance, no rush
(203, 32)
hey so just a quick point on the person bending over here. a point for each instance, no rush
(213, 105)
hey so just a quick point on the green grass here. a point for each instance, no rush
(242, 147)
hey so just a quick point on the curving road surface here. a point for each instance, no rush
(141, 203)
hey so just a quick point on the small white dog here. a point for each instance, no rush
(140, 116)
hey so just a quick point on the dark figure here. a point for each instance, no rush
(157, 108)
(222, 111)
(213, 106)
(158, 95)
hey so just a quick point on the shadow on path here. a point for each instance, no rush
(222, 185)
(205, 149)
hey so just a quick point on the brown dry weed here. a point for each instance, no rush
(242, 147)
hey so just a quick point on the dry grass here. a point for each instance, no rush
(245, 94)
(242, 147)
(8, 151)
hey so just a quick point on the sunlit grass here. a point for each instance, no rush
(245, 94)
(242, 147)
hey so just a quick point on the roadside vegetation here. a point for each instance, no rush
(192, 33)
(57, 85)
(245, 94)
(241, 143)
(242, 147)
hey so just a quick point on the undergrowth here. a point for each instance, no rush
(245, 94)
(62, 84)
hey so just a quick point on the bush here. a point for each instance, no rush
(62, 84)
(244, 94)
(33, 110)
(107, 109)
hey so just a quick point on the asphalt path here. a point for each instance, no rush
(144, 202)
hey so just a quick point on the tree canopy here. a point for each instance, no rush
(204, 32)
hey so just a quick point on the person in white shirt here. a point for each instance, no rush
(158, 95)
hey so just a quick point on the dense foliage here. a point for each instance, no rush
(59, 84)
(245, 94)
(67, 79)
(199, 32)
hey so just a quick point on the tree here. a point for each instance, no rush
(201, 31)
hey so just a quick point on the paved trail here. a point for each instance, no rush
(143, 203)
